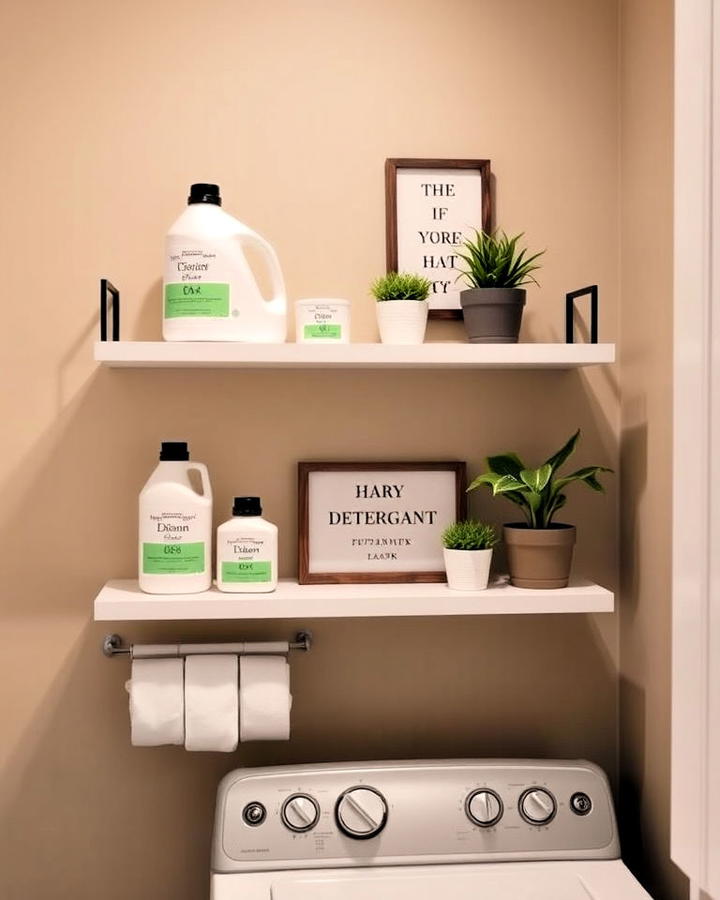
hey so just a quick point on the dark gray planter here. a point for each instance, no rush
(492, 315)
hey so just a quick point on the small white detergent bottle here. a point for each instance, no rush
(209, 290)
(175, 526)
(247, 550)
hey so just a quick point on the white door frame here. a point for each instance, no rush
(695, 824)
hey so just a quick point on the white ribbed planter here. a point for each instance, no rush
(402, 321)
(467, 570)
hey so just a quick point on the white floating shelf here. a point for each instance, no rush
(210, 355)
(122, 600)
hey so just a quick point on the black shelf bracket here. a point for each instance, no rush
(570, 299)
(109, 300)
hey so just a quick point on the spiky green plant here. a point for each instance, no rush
(469, 535)
(538, 492)
(495, 261)
(400, 286)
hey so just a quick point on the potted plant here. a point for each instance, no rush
(496, 270)
(539, 550)
(402, 307)
(467, 550)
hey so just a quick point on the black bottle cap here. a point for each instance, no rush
(247, 506)
(174, 451)
(205, 193)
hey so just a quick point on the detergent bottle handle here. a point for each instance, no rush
(202, 471)
(278, 301)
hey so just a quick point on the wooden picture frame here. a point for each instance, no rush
(363, 547)
(405, 227)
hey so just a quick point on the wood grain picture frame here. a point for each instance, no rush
(376, 522)
(431, 205)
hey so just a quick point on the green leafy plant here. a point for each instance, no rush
(469, 535)
(495, 261)
(539, 492)
(400, 286)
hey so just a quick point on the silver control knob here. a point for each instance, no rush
(484, 807)
(537, 806)
(300, 813)
(254, 813)
(361, 812)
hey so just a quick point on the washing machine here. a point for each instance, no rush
(415, 830)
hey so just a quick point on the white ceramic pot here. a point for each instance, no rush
(402, 321)
(467, 570)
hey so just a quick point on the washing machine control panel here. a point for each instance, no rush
(354, 814)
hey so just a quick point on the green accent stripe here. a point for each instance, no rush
(197, 300)
(246, 572)
(173, 559)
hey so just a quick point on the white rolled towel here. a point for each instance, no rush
(156, 702)
(211, 703)
(265, 699)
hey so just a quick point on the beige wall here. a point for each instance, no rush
(292, 108)
(646, 444)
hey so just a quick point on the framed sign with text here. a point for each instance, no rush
(376, 522)
(431, 206)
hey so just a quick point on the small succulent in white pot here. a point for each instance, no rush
(467, 550)
(402, 307)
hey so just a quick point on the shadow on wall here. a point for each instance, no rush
(645, 688)
(147, 323)
(633, 475)
(109, 820)
(632, 698)
(639, 849)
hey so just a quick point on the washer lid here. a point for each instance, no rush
(514, 881)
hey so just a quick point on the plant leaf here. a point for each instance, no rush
(494, 260)
(400, 286)
(557, 459)
(506, 464)
(537, 479)
(508, 483)
(516, 497)
(500, 484)
(534, 501)
(588, 474)
(469, 535)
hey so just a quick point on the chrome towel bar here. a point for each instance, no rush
(113, 646)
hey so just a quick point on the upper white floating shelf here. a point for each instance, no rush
(212, 355)
(122, 600)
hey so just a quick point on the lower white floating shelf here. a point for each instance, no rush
(122, 600)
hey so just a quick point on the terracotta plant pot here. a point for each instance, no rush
(402, 321)
(467, 570)
(492, 315)
(539, 557)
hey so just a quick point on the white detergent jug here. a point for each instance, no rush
(175, 526)
(209, 291)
